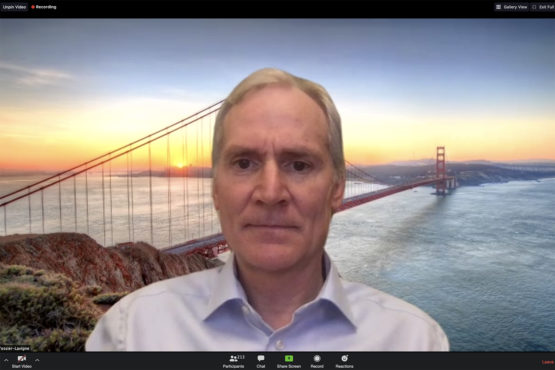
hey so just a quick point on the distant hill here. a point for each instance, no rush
(4, 172)
(466, 173)
(190, 171)
(432, 161)
(178, 172)
(474, 172)
(416, 162)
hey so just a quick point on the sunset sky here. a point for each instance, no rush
(73, 89)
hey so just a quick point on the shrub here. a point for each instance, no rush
(43, 310)
(109, 298)
(91, 290)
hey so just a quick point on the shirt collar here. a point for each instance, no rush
(227, 288)
(334, 292)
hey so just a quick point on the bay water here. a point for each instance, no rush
(480, 261)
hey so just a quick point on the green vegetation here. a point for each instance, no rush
(109, 298)
(44, 310)
(91, 290)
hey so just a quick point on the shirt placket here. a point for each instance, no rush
(276, 340)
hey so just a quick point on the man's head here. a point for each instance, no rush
(279, 171)
(272, 76)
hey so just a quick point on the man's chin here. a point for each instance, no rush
(272, 263)
(268, 255)
(271, 236)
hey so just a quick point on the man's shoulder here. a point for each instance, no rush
(155, 308)
(367, 295)
(373, 307)
(196, 284)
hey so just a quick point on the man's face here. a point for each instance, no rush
(274, 187)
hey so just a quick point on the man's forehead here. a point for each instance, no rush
(262, 140)
(274, 97)
(277, 118)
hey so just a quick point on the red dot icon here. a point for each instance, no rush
(32, 7)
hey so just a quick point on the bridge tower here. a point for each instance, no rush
(440, 170)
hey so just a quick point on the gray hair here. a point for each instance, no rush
(272, 76)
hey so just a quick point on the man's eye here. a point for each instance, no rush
(243, 163)
(300, 166)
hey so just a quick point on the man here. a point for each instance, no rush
(279, 175)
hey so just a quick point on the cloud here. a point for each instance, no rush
(34, 77)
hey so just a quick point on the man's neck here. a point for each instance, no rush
(277, 295)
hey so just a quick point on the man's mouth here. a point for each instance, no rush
(271, 226)
(271, 232)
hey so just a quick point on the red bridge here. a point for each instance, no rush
(129, 194)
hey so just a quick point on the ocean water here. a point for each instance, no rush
(481, 261)
(114, 209)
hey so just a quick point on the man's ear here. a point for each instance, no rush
(338, 191)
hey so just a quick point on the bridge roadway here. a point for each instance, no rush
(368, 197)
(212, 245)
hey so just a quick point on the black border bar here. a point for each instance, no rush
(276, 360)
(270, 9)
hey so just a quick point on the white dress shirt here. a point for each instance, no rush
(208, 311)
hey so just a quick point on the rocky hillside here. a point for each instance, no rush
(79, 257)
(54, 287)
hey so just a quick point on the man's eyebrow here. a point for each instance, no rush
(298, 153)
(238, 150)
(293, 152)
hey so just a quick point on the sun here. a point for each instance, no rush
(180, 165)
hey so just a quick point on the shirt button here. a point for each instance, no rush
(280, 345)
(245, 309)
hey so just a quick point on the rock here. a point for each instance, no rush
(115, 269)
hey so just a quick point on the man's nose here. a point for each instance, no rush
(271, 188)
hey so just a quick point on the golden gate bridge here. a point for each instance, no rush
(149, 190)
